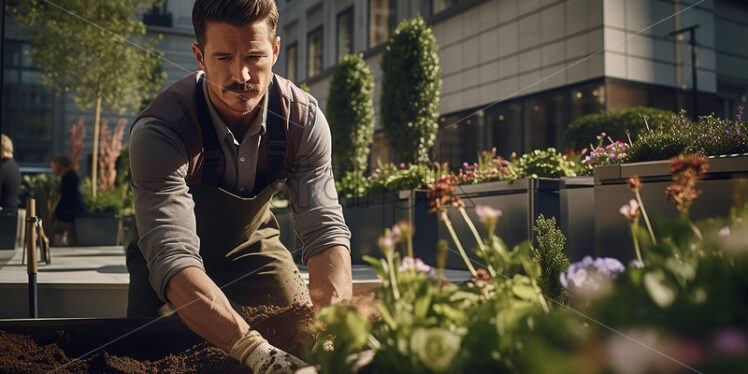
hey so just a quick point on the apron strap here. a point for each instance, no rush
(212, 154)
(276, 133)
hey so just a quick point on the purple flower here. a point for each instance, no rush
(505, 162)
(612, 155)
(591, 277)
(731, 341)
(465, 165)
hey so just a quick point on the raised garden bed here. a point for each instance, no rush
(612, 235)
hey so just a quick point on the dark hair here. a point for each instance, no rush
(233, 12)
(62, 161)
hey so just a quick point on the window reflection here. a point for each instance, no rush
(291, 67)
(345, 33)
(381, 20)
(314, 46)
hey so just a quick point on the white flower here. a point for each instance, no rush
(487, 214)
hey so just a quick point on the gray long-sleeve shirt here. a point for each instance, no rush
(165, 210)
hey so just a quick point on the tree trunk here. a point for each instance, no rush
(95, 166)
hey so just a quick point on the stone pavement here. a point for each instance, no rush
(92, 282)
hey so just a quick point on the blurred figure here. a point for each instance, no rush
(71, 200)
(10, 178)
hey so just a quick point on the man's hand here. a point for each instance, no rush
(256, 353)
(330, 278)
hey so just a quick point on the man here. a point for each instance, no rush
(206, 157)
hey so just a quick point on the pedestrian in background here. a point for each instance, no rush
(71, 201)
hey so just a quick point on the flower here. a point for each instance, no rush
(385, 243)
(486, 213)
(435, 347)
(630, 211)
(416, 265)
(635, 184)
(482, 275)
(591, 278)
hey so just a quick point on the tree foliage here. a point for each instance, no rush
(411, 84)
(350, 112)
(95, 49)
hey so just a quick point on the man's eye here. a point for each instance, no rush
(255, 57)
(224, 58)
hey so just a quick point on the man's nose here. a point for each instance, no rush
(240, 72)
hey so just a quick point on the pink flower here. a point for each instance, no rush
(630, 210)
(612, 155)
(487, 214)
(402, 165)
(603, 134)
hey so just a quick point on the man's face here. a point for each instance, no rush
(238, 63)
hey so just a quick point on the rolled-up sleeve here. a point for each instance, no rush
(164, 209)
(318, 216)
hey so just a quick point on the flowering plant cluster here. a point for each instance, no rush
(680, 306)
(389, 177)
(613, 153)
(490, 167)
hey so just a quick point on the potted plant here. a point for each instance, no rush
(100, 224)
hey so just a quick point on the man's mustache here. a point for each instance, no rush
(242, 87)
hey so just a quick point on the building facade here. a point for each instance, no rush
(517, 72)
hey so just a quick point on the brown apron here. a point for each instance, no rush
(241, 251)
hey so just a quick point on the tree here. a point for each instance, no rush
(350, 112)
(411, 84)
(95, 49)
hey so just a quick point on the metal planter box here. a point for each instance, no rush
(97, 229)
(612, 235)
(368, 216)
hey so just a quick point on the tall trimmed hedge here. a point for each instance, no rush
(582, 132)
(411, 84)
(350, 113)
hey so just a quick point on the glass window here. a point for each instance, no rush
(382, 19)
(440, 5)
(314, 52)
(345, 33)
(545, 120)
(291, 67)
(458, 139)
(504, 127)
(586, 99)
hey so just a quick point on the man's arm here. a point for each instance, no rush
(330, 278)
(318, 216)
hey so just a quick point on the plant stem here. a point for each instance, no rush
(636, 243)
(457, 243)
(695, 229)
(477, 239)
(646, 217)
(393, 281)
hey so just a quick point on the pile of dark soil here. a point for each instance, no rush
(284, 327)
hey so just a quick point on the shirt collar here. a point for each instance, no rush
(222, 130)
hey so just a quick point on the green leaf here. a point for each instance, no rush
(661, 293)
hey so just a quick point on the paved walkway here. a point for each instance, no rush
(92, 282)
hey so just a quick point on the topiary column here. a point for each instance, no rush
(411, 84)
(350, 113)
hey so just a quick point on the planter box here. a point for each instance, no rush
(570, 200)
(8, 230)
(368, 216)
(612, 235)
(97, 229)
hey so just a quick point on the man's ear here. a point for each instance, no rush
(199, 58)
(276, 48)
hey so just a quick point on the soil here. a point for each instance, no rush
(288, 328)
(284, 327)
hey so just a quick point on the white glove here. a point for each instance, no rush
(256, 353)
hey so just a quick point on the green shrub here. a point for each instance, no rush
(549, 254)
(709, 136)
(548, 163)
(106, 201)
(350, 112)
(582, 132)
(411, 84)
